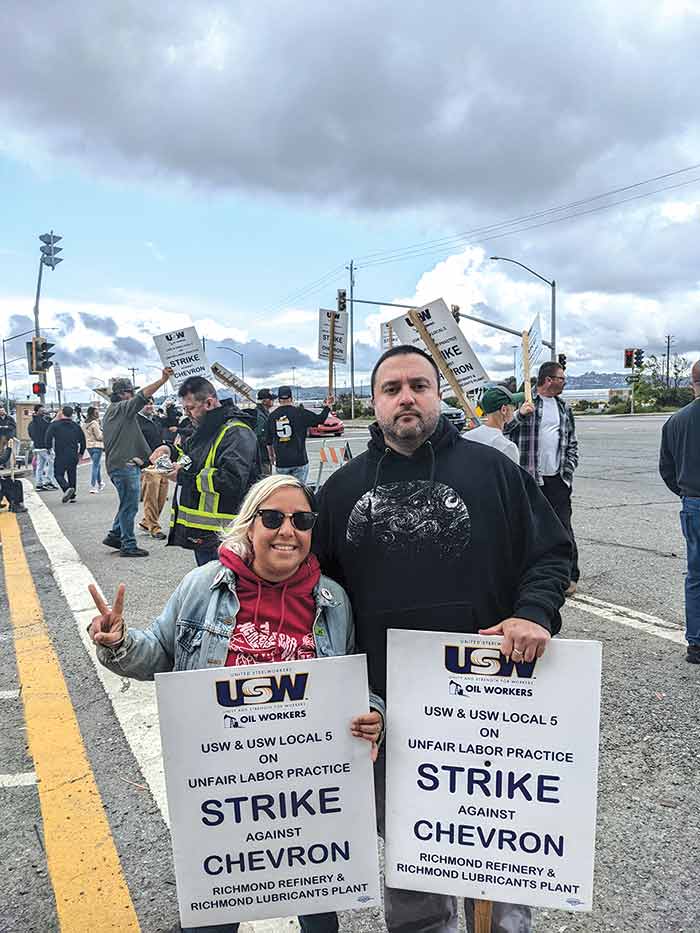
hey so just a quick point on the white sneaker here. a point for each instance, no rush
(101, 487)
(93, 490)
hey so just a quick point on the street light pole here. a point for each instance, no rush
(351, 268)
(553, 285)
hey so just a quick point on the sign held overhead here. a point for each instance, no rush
(338, 321)
(182, 350)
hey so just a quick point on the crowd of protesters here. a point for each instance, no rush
(295, 557)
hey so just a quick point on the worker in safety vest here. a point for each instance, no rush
(213, 468)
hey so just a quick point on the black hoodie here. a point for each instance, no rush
(454, 538)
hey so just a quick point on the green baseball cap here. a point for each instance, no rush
(496, 396)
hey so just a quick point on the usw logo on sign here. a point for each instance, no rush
(485, 660)
(178, 335)
(246, 691)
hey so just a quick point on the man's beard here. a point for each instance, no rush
(418, 430)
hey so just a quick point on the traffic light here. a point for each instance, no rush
(49, 251)
(639, 358)
(455, 312)
(43, 356)
(629, 359)
(38, 388)
(561, 359)
(342, 299)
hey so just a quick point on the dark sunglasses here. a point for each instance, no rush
(273, 518)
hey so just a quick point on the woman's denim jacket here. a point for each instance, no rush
(194, 629)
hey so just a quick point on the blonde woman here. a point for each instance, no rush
(95, 447)
(265, 571)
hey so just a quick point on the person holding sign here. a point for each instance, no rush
(498, 405)
(263, 600)
(430, 532)
(545, 433)
(286, 434)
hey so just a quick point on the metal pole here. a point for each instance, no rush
(36, 314)
(553, 323)
(4, 366)
(352, 341)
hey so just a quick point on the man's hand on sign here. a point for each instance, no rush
(369, 726)
(166, 374)
(522, 639)
(526, 409)
(107, 628)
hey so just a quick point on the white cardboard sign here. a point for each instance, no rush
(58, 376)
(182, 349)
(271, 799)
(492, 769)
(536, 351)
(339, 335)
(450, 340)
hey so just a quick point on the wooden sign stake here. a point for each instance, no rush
(526, 367)
(331, 350)
(482, 916)
(441, 364)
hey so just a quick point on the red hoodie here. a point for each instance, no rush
(275, 621)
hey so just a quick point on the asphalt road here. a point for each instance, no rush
(632, 556)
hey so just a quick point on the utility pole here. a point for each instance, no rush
(133, 372)
(351, 268)
(668, 360)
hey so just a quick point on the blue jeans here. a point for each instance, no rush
(314, 923)
(96, 457)
(690, 524)
(301, 472)
(43, 473)
(128, 485)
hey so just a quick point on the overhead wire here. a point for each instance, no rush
(509, 232)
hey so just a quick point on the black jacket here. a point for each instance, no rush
(8, 427)
(452, 539)
(152, 430)
(679, 463)
(67, 439)
(236, 465)
(37, 429)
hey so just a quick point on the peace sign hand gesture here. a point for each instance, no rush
(107, 628)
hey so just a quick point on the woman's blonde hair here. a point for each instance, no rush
(235, 537)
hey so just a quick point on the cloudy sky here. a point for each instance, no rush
(222, 167)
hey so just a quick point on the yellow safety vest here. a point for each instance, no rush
(207, 516)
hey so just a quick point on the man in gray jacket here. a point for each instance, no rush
(126, 451)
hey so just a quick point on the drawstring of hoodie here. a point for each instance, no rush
(387, 451)
(283, 610)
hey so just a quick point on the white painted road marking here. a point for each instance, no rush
(643, 621)
(9, 694)
(24, 779)
(134, 708)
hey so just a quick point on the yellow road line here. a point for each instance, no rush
(89, 885)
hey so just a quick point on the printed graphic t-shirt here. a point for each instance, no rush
(286, 432)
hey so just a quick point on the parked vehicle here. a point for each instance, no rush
(331, 427)
(455, 415)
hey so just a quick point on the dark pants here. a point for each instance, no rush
(558, 494)
(128, 484)
(421, 912)
(314, 923)
(11, 489)
(65, 471)
(203, 555)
